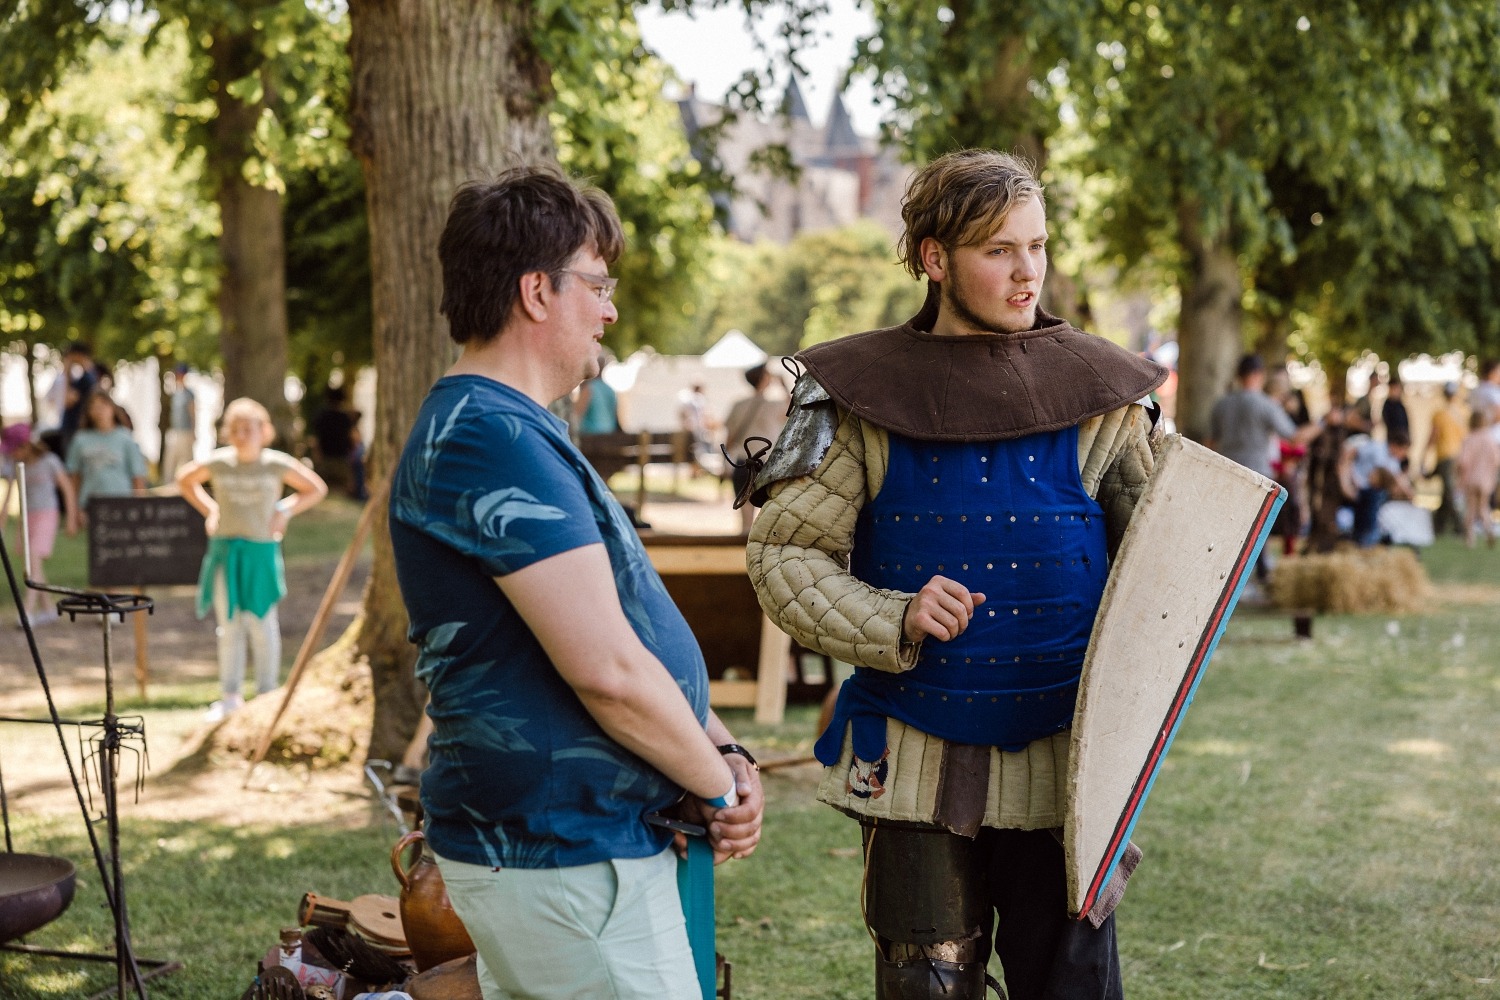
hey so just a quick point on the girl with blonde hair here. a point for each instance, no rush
(243, 578)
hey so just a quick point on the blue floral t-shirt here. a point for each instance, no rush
(520, 775)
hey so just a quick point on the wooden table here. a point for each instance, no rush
(706, 577)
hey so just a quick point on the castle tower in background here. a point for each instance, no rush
(843, 176)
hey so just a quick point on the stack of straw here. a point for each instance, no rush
(1351, 581)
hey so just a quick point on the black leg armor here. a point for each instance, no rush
(932, 899)
(925, 902)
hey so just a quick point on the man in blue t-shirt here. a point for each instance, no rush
(569, 699)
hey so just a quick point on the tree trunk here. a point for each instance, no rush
(164, 367)
(1210, 334)
(252, 253)
(1006, 118)
(445, 91)
(1271, 341)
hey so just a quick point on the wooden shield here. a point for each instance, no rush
(1190, 548)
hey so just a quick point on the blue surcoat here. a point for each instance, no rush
(1007, 519)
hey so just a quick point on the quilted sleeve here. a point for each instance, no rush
(798, 558)
(1116, 461)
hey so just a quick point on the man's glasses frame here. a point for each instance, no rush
(601, 285)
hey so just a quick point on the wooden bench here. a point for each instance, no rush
(611, 453)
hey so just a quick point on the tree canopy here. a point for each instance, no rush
(102, 236)
(820, 286)
(1330, 170)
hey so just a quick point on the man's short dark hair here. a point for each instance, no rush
(1398, 439)
(1249, 365)
(527, 219)
(754, 375)
(79, 347)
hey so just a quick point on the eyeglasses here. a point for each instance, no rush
(602, 285)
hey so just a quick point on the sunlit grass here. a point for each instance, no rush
(1324, 828)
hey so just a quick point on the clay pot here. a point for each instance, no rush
(433, 931)
(455, 980)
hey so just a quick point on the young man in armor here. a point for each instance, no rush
(941, 511)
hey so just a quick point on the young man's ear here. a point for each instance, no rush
(934, 259)
(534, 292)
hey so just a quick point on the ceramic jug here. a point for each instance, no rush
(433, 931)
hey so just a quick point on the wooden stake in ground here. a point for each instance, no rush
(320, 621)
(142, 656)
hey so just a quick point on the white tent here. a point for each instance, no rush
(651, 386)
(734, 350)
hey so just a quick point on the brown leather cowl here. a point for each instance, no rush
(982, 387)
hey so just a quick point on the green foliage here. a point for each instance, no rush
(168, 68)
(66, 275)
(613, 126)
(962, 74)
(1346, 153)
(1339, 151)
(821, 286)
(329, 304)
(101, 236)
(257, 82)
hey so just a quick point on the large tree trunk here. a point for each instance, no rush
(445, 91)
(1210, 334)
(1004, 116)
(1271, 342)
(252, 254)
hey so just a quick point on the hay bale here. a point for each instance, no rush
(1353, 581)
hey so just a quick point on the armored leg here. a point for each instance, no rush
(925, 903)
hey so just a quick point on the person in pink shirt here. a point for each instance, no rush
(1478, 468)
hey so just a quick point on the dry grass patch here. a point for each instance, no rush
(327, 725)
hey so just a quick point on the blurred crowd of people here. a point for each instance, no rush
(715, 446)
(1353, 474)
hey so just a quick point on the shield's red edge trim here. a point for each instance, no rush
(1189, 682)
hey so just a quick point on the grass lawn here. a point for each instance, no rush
(1324, 828)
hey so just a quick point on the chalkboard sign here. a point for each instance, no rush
(144, 541)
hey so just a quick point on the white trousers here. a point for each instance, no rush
(612, 930)
(259, 636)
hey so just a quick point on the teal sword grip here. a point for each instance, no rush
(695, 884)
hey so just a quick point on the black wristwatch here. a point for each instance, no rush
(728, 748)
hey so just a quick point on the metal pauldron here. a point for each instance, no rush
(806, 438)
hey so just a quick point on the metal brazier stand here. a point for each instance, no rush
(101, 743)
